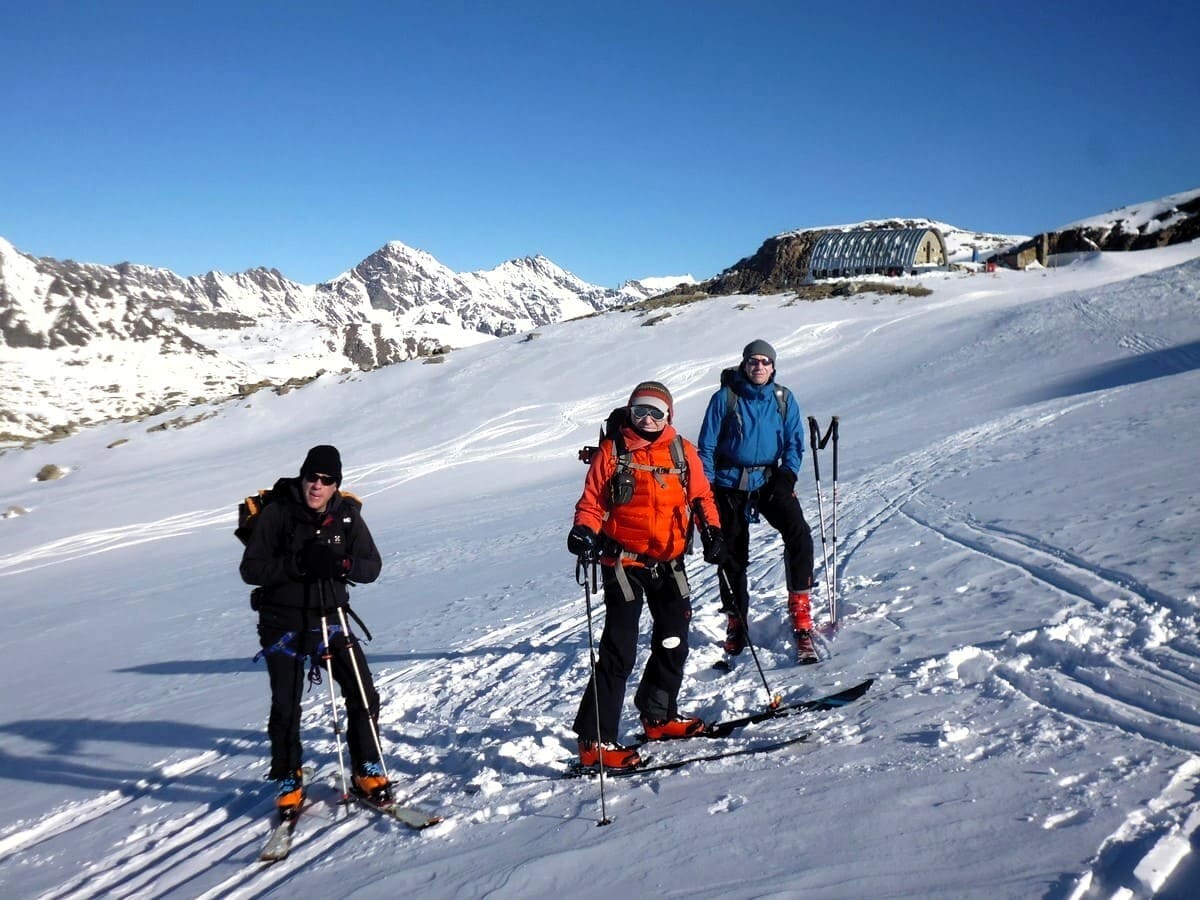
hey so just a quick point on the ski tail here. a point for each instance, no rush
(820, 704)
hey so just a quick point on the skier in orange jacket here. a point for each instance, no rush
(635, 514)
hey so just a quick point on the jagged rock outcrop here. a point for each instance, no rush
(1172, 220)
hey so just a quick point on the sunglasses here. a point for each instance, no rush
(326, 480)
(640, 412)
(758, 362)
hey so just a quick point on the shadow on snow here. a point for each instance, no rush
(1143, 367)
(238, 664)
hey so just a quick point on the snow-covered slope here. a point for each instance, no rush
(1017, 515)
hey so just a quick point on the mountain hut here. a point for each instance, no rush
(878, 251)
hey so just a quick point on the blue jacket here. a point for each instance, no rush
(752, 438)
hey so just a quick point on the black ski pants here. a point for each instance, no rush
(787, 518)
(658, 691)
(286, 669)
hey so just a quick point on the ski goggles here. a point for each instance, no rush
(326, 480)
(641, 411)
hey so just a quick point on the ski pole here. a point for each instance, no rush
(589, 585)
(362, 689)
(773, 700)
(328, 657)
(833, 578)
(815, 442)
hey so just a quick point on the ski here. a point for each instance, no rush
(279, 844)
(829, 702)
(279, 841)
(411, 816)
(578, 770)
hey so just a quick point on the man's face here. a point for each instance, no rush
(317, 492)
(758, 369)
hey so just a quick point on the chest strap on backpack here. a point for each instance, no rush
(680, 468)
(657, 471)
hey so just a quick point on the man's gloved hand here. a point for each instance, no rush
(713, 541)
(322, 561)
(581, 541)
(782, 486)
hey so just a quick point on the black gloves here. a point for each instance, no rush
(319, 560)
(782, 486)
(713, 541)
(581, 541)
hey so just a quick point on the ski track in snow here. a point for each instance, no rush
(1050, 665)
(1064, 666)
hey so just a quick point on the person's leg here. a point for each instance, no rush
(286, 674)
(658, 692)
(615, 660)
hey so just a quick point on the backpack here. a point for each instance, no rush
(620, 486)
(248, 512)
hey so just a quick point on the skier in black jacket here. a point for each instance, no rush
(309, 543)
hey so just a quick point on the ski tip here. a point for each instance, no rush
(851, 693)
(723, 665)
(576, 769)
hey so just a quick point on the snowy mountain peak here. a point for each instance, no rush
(654, 285)
(402, 254)
(538, 264)
(84, 342)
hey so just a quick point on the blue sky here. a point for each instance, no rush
(618, 139)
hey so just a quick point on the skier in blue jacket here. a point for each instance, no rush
(751, 445)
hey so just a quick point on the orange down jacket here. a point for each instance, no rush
(654, 523)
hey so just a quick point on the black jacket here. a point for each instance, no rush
(289, 598)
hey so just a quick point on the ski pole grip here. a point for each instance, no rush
(813, 431)
(834, 428)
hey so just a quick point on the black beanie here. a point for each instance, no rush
(758, 348)
(323, 459)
